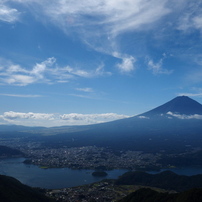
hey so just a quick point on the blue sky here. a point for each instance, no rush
(65, 62)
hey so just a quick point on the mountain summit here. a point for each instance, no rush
(179, 105)
(169, 127)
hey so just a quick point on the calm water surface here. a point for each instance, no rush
(50, 178)
(56, 178)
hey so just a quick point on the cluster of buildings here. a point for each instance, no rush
(91, 157)
(86, 157)
(96, 192)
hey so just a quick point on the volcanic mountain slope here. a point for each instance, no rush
(169, 127)
(180, 105)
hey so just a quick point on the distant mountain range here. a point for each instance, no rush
(174, 125)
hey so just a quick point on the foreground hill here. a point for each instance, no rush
(11, 190)
(164, 180)
(137, 189)
(9, 152)
(149, 195)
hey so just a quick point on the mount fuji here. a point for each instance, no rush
(181, 105)
(173, 126)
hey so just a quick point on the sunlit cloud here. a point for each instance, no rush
(20, 80)
(7, 14)
(157, 67)
(21, 95)
(45, 119)
(92, 118)
(190, 94)
(192, 18)
(143, 117)
(113, 17)
(99, 23)
(47, 71)
(30, 115)
(82, 96)
(87, 90)
(127, 64)
(184, 116)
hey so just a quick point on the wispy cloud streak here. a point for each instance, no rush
(47, 71)
(98, 23)
(23, 96)
(7, 14)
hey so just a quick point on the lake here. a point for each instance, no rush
(53, 178)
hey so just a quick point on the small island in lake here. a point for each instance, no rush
(99, 174)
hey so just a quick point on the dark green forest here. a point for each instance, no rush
(149, 195)
(11, 190)
(165, 180)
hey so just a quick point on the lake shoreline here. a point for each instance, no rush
(58, 178)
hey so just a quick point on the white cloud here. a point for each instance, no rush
(18, 95)
(113, 16)
(81, 96)
(91, 118)
(143, 117)
(45, 72)
(98, 23)
(8, 14)
(127, 64)
(21, 80)
(101, 72)
(40, 68)
(190, 94)
(87, 90)
(192, 18)
(44, 119)
(30, 115)
(157, 68)
(15, 68)
(198, 22)
(184, 116)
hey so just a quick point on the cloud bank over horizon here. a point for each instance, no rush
(50, 120)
